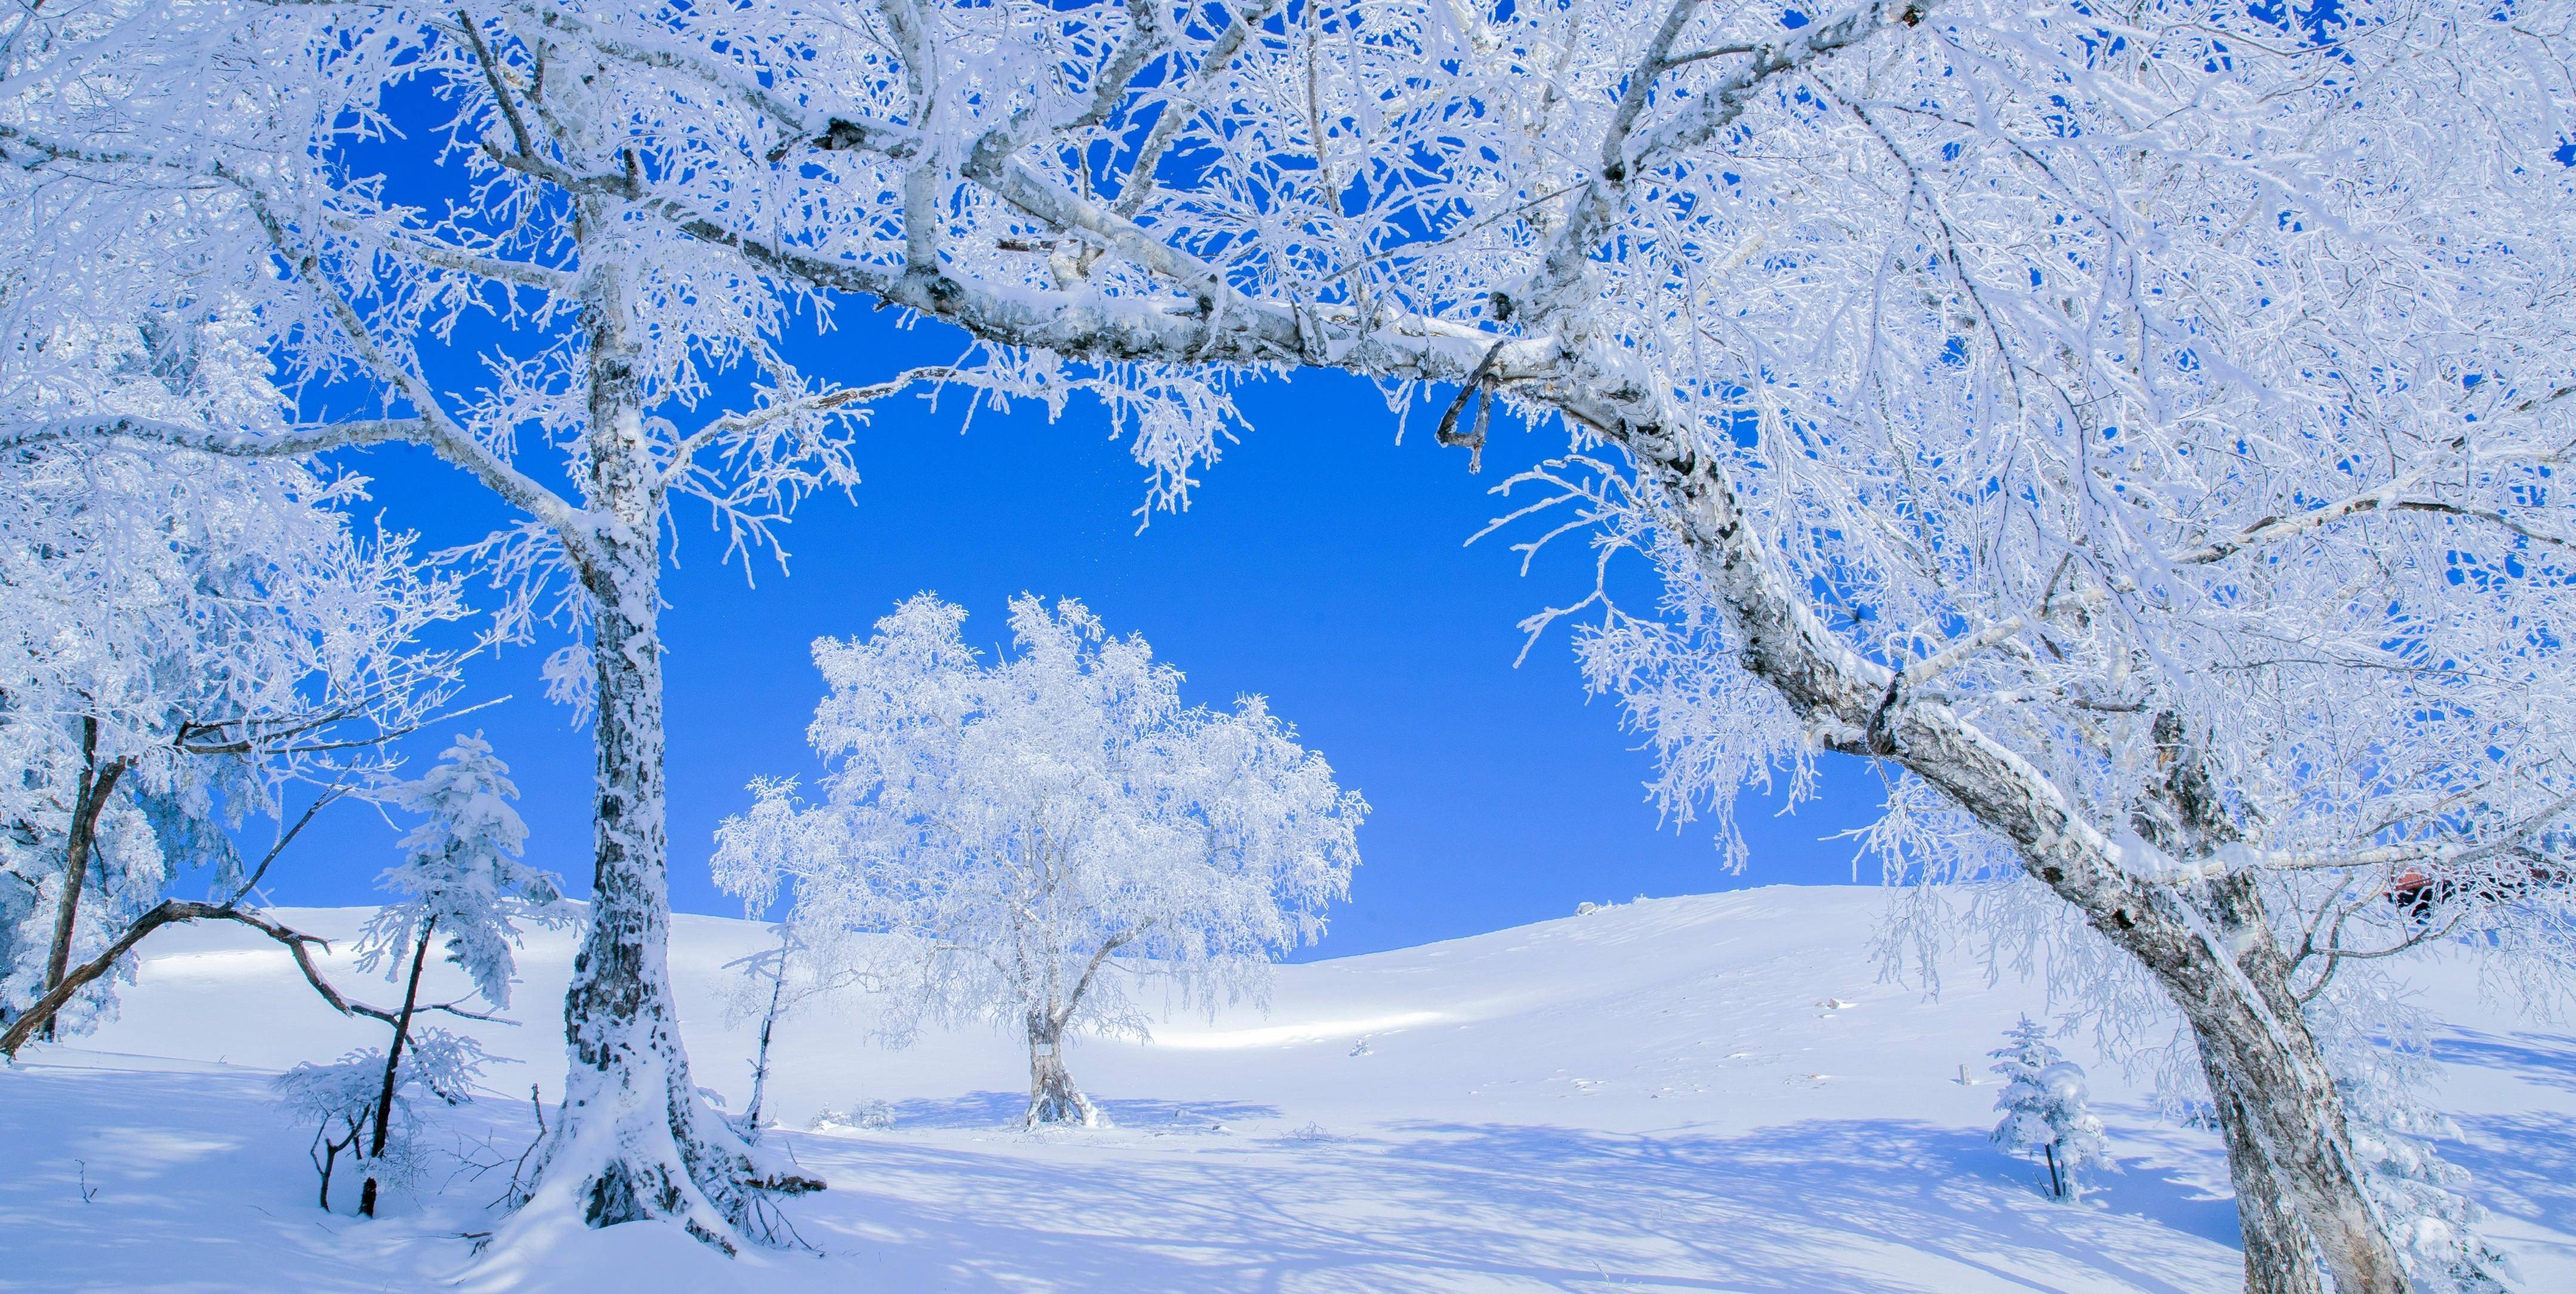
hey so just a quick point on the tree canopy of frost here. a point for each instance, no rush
(182, 634)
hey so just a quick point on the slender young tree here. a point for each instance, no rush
(1044, 833)
(2046, 1109)
(461, 880)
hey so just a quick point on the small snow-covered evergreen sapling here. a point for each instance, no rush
(461, 879)
(2044, 1105)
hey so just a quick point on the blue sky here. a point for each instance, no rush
(1320, 564)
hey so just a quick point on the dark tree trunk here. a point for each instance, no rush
(393, 1070)
(96, 784)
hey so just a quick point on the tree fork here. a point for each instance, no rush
(1052, 1096)
(88, 801)
(2186, 815)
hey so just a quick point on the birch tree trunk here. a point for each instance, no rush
(2276, 1097)
(2277, 1105)
(634, 1141)
(2186, 815)
(1052, 1096)
(2278, 1259)
(633, 1132)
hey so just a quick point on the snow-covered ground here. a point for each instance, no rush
(1711, 1093)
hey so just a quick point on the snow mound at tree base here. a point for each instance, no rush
(1645, 1097)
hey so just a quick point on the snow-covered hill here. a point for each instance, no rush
(1711, 1093)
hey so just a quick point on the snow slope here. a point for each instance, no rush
(1653, 1096)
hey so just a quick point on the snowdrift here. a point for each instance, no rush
(1706, 1093)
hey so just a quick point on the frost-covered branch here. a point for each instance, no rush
(296, 442)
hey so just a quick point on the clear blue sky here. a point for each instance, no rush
(1320, 564)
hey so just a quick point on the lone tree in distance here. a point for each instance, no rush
(1045, 833)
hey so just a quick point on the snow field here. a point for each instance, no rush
(1706, 1093)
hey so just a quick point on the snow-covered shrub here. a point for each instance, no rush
(2044, 1105)
(1044, 833)
(863, 1116)
(339, 1100)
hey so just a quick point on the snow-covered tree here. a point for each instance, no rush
(461, 880)
(182, 639)
(462, 877)
(2046, 1111)
(255, 146)
(2128, 427)
(1048, 833)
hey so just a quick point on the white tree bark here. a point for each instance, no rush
(1053, 1099)
(634, 1140)
(2273, 1090)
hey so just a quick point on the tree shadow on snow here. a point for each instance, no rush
(2523, 1164)
(2544, 1059)
(130, 1180)
(972, 1110)
(1844, 1205)
(1183, 1116)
